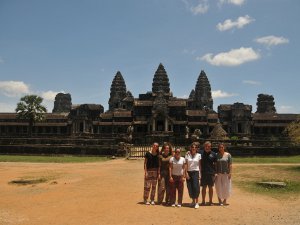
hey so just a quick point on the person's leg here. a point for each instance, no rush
(160, 190)
(210, 193)
(203, 194)
(172, 193)
(189, 183)
(147, 185)
(218, 187)
(153, 177)
(180, 191)
(167, 185)
(196, 186)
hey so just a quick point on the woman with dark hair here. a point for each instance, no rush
(223, 175)
(152, 173)
(163, 181)
(177, 177)
(193, 168)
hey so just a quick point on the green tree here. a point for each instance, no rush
(30, 108)
(293, 131)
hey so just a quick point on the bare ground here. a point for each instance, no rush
(111, 193)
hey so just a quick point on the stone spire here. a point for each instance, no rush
(192, 94)
(203, 93)
(160, 81)
(62, 103)
(117, 92)
(265, 104)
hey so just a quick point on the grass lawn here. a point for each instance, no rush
(52, 159)
(247, 178)
(267, 159)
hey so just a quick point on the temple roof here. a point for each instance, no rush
(218, 132)
(47, 115)
(202, 96)
(161, 81)
(196, 113)
(117, 91)
(143, 102)
(274, 116)
(177, 102)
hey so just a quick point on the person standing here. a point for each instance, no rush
(177, 177)
(223, 177)
(207, 171)
(163, 181)
(152, 173)
(193, 168)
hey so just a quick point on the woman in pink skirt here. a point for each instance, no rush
(223, 175)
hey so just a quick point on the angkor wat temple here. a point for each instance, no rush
(154, 114)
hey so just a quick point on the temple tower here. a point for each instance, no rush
(202, 97)
(117, 92)
(265, 104)
(62, 103)
(161, 81)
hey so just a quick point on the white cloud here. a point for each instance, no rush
(1, 60)
(6, 107)
(234, 2)
(49, 95)
(252, 82)
(201, 8)
(14, 88)
(222, 94)
(238, 23)
(189, 51)
(285, 109)
(234, 57)
(271, 40)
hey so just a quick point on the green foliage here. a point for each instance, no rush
(293, 131)
(234, 138)
(30, 108)
(262, 159)
(51, 159)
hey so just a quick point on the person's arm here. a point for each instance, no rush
(230, 170)
(229, 166)
(200, 169)
(170, 172)
(145, 168)
(159, 165)
(184, 173)
(186, 169)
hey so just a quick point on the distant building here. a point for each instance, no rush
(156, 114)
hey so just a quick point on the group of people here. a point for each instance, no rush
(170, 170)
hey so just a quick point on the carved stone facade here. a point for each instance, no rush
(62, 103)
(155, 115)
(265, 104)
(236, 118)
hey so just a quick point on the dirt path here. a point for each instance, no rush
(111, 193)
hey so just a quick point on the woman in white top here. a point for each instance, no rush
(193, 168)
(177, 177)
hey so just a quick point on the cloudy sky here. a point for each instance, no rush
(246, 47)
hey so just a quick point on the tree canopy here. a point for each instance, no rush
(30, 108)
(293, 131)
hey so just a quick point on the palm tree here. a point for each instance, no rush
(30, 108)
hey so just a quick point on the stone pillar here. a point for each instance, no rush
(166, 125)
(153, 125)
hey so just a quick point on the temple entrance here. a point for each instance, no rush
(160, 125)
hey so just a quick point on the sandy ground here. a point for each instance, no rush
(111, 193)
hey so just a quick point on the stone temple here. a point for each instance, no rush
(155, 115)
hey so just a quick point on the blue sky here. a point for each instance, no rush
(246, 47)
